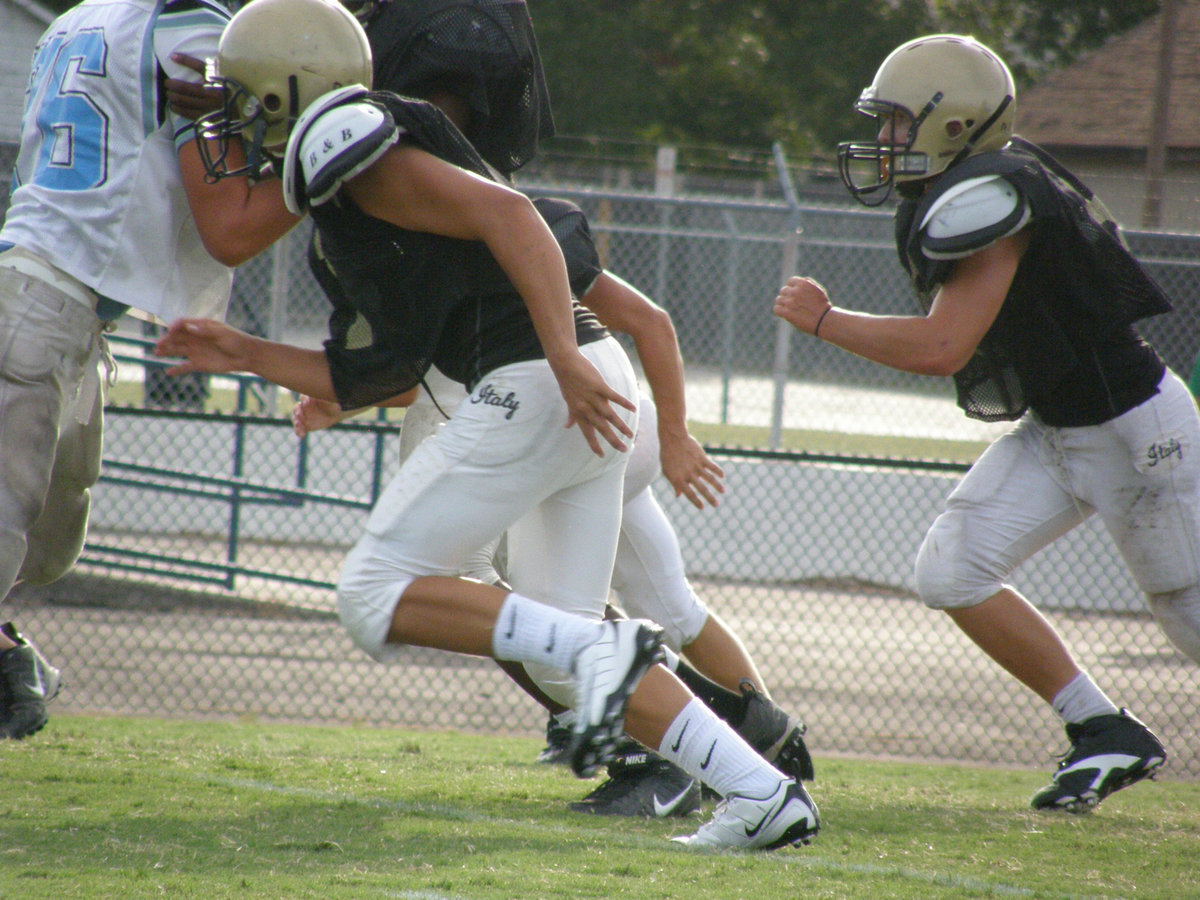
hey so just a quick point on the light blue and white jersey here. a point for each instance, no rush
(96, 187)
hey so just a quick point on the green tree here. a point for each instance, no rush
(1036, 37)
(755, 71)
(715, 72)
(751, 72)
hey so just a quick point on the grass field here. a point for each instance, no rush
(131, 808)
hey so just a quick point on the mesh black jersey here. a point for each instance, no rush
(1063, 343)
(404, 300)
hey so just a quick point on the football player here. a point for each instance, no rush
(1029, 298)
(479, 63)
(110, 213)
(468, 276)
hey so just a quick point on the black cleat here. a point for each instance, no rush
(558, 738)
(1107, 753)
(27, 684)
(778, 737)
(641, 783)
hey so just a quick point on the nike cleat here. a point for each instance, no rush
(606, 674)
(559, 728)
(788, 816)
(27, 684)
(641, 783)
(1107, 753)
(778, 737)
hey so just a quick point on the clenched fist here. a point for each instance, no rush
(802, 302)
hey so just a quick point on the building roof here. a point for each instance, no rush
(1106, 99)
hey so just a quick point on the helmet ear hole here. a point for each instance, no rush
(272, 103)
(955, 128)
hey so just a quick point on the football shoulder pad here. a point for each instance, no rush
(339, 135)
(971, 215)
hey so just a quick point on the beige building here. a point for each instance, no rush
(1097, 114)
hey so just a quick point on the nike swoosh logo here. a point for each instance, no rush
(512, 625)
(1104, 765)
(550, 643)
(769, 817)
(661, 810)
(38, 687)
(708, 759)
(679, 740)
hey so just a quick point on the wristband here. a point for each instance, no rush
(817, 330)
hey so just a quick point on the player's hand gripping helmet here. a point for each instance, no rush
(957, 98)
(275, 58)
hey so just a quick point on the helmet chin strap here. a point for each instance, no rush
(924, 114)
(254, 154)
(980, 131)
(294, 109)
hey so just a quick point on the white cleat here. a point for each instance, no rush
(788, 816)
(606, 673)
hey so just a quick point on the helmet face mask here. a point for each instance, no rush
(872, 167)
(241, 115)
(955, 97)
(275, 59)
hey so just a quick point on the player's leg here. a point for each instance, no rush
(663, 714)
(1152, 453)
(49, 340)
(438, 398)
(485, 469)
(1009, 506)
(1141, 473)
(762, 808)
(650, 580)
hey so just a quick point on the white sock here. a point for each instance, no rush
(531, 632)
(706, 748)
(1081, 700)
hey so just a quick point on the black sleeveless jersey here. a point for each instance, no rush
(1063, 343)
(404, 300)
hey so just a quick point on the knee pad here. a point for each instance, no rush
(946, 575)
(56, 539)
(1178, 615)
(57, 536)
(681, 626)
(367, 595)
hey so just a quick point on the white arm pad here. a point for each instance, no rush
(331, 143)
(972, 215)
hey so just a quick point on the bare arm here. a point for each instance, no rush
(413, 189)
(940, 343)
(210, 346)
(621, 307)
(236, 220)
(310, 414)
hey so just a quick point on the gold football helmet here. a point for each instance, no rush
(274, 59)
(955, 95)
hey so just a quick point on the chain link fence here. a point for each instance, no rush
(206, 587)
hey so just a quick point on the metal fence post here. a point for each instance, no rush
(783, 331)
